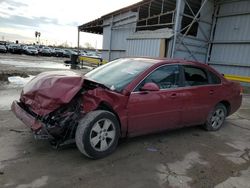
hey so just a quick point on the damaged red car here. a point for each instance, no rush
(125, 98)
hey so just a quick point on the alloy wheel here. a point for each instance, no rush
(102, 134)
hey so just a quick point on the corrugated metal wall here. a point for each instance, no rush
(115, 39)
(231, 44)
(195, 47)
(143, 47)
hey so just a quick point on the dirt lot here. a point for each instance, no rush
(189, 157)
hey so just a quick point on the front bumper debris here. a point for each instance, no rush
(37, 127)
(25, 117)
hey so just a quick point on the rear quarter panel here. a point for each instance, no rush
(234, 96)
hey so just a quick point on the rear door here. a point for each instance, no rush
(201, 94)
(156, 110)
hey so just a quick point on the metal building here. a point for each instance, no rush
(216, 32)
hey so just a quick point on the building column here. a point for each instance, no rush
(78, 40)
(180, 4)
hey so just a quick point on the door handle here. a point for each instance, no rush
(144, 92)
(211, 92)
(173, 95)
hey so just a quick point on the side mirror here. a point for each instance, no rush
(150, 87)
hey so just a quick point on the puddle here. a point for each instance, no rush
(7, 97)
(12, 91)
(240, 181)
(38, 64)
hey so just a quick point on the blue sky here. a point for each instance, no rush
(57, 20)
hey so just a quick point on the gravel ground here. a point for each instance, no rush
(188, 157)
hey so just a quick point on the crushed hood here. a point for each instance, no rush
(50, 90)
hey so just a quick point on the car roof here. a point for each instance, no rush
(165, 60)
(156, 62)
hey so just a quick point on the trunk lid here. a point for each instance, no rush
(50, 90)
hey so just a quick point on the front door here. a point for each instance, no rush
(154, 111)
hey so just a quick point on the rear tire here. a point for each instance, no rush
(97, 134)
(216, 118)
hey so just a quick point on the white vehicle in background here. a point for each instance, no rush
(93, 54)
(83, 53)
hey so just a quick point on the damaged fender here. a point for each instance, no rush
(94, 99)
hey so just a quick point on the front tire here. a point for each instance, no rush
(97, 134)
(216, 118)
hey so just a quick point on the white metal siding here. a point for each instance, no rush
(192, 50)
(231, 45)
(123, 25)
(119, 37)
(106, 37)
(143, 47)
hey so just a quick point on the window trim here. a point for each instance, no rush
(180, 78)
(209, 72)
(204, 69)
(198, 67)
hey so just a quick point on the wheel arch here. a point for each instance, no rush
(106, 106)
(227, 105)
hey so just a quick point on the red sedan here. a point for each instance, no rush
(125, 98)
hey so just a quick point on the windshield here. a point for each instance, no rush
(117, 74)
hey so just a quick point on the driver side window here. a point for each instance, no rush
(165, 77)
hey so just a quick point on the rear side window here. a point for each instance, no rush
(214, 78)
(195, 76)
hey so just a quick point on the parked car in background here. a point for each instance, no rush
(46, 51)
(58, 52)
(30, 50)
(15, 48)
(125, 98)
(3, 49)
(93, 54)
(83, 53)
(68, 53)
(23, 46)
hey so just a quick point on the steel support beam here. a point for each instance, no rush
(234, 14)
(110, 37)
(176, 25)
(194, 20)
(78, 40)
(216, 10)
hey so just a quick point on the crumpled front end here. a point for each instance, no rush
(50, 105)
(50, 90)
(59, 125)
(26, 117)
(30, 120)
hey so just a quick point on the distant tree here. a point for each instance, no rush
(37, 35)
(88, 45)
